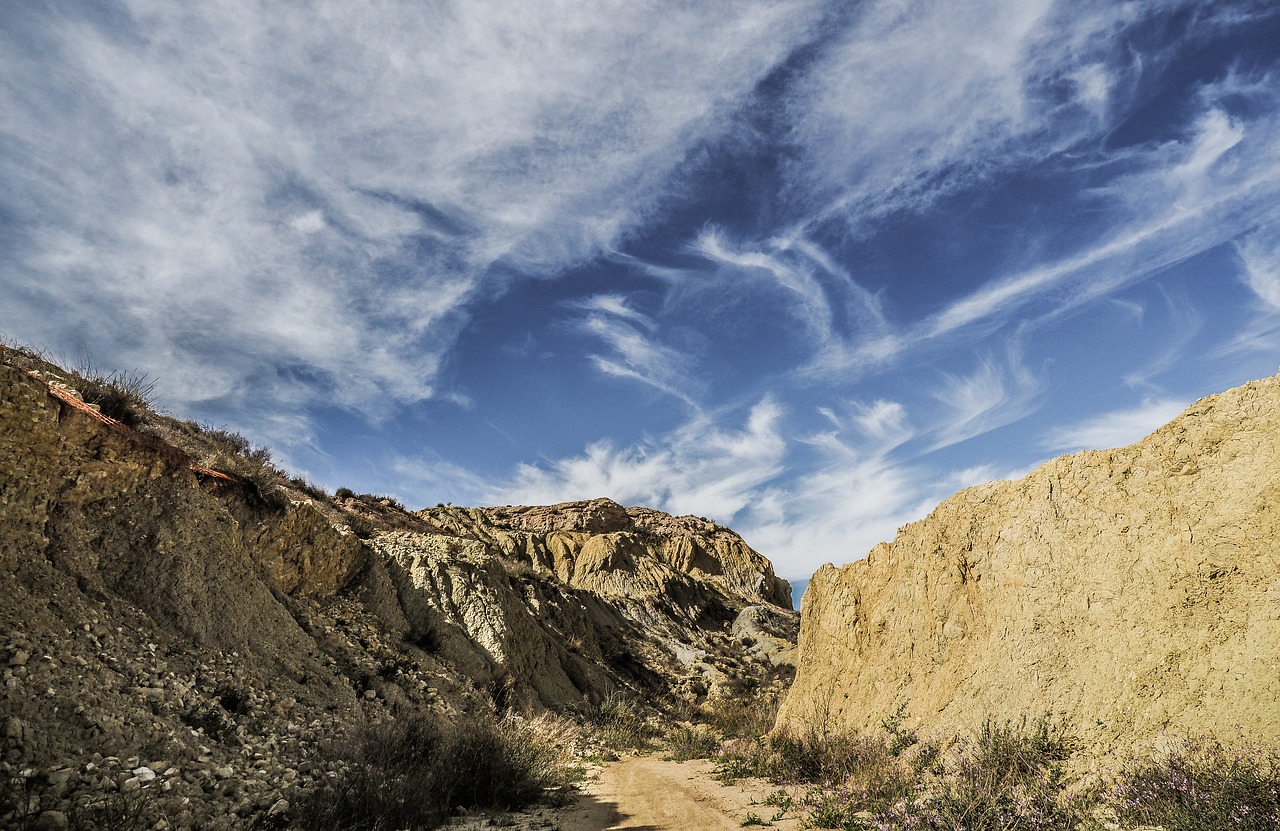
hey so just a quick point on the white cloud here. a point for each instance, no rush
(993, 396)
(310, 198)
(1179, 330)
(309, 222)
(1116, 428)
(835, 515)
(880, 425)
(887, 125)
(701, 468)
(428, 480)
(617, 305)
(630, 335)
(885, 422)
(1260, 255)
(1178, 200)
(850, 498)
(808, 300)
(856, 496)
(1216, 133)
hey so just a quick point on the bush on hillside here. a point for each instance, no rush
(128, 397)
(413, 771)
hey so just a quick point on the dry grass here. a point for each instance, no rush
(1009, 776)
(413, 771)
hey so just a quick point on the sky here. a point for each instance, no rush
(804, 268)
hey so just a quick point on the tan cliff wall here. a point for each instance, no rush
(1135, 592)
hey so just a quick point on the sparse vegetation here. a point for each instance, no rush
(361, 527)
(1202, 786)
(620, 723)
(128, 397)
(412, 771)
(691, 742)
(313, 491)
(1010, 775)
(372, 499)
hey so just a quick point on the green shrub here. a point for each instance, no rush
(314, 491)
(902, 737)
(382, 500)
(1010, 775)
(360, 526)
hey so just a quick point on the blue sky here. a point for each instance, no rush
(804, 268)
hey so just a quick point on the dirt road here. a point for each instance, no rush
(647, 793)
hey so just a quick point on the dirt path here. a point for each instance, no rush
(648, 793)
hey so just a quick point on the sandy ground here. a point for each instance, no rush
(648, 793)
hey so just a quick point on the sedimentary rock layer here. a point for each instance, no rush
(1134, 592)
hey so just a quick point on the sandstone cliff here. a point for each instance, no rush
(1134, 591)
(169, 602)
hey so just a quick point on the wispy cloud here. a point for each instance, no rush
(997, 101)
(992, 396)
(804, 295)
(310, 199)
(1116, 428)
(701, 468)
(1260, 256)
(856, 495)
(1179, 330)
(852, 497)
(1180, 199)
(633, 351)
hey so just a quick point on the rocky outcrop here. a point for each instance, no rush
(215, 626)
(1135, 592)
(640, 593)
(631, 552)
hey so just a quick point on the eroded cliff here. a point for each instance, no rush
(1135, 592)
(168, 603)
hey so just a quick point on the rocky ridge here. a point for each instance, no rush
(180, 622)
(1133, 592)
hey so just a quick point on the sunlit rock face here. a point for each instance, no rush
(600, 545)
(1134, 592)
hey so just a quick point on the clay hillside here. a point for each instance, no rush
(180, 618)
(1134, 593)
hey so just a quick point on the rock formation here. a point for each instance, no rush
(169, 603)
(1135, 592)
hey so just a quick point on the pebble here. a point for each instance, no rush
(62, 777)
